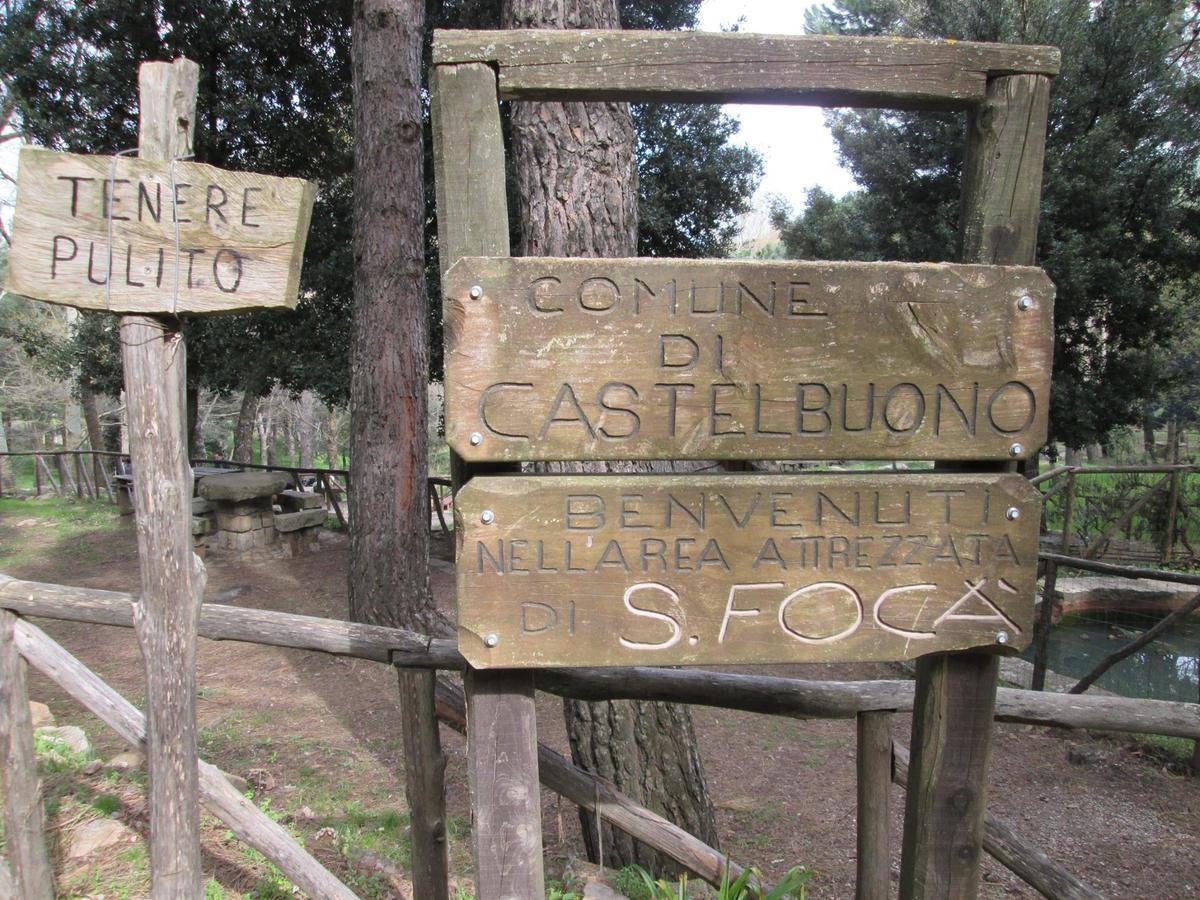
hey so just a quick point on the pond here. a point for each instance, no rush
(1165, 669)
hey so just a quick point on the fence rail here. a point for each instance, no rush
(335, 491)
(762, 694)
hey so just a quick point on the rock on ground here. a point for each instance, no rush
(41, 715)
(71, 736)
(96, 835)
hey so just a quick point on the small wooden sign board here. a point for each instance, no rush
(680, 359)
(102, 233)
(678, 570)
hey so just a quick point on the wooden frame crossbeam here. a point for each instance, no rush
(814, 70)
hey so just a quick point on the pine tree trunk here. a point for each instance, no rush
(1148, 433)
(195, 447)
(1074, 456)
(576, 178)
(243, 432)
(389, 354)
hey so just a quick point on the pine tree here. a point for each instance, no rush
(1121, 159)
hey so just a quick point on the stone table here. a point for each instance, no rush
(242, 502)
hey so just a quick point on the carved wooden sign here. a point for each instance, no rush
(138, 236)
(676, 570)
(673, 359)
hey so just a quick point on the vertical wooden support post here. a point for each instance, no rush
(78, 476)
(501, 725)
(874, 807)
(167, 612)
(24, 820)
(1041, 629)
(956, 693)
(1068, 514)
(37, 475)
(1168, 550)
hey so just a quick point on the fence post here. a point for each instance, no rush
(956, 693)
(874, 861)
(24, 820)
(1041, 633)
(502, 736)
(172, 578)
(37, 474)
(1172, 511)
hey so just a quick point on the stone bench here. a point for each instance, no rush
(300, 522)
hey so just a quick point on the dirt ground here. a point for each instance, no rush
(311, 729)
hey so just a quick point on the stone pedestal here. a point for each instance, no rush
(241, 501)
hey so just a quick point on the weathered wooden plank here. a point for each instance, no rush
(874, 769)
(1002, 172)
(506, 799)
(562, 776)
(100, 232)
(752, 693)
(1014, 852)
(682, 359)
(246, 820)
(952, 724)
(468, 161)
(944, 815)
(741, 67)
(425, 782)
(24, 819)
(472, 204)
(154, 360)
(685, 570)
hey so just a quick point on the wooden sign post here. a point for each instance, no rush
(155, 237)
(553, 359)
(151, 236)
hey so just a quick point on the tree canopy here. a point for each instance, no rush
(275, 97)
(1118, 218)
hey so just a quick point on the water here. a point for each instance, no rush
(1165, 669)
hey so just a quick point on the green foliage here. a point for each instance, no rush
(747, 886)
(1118, 224)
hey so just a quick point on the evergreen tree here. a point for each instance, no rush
(1120, 162)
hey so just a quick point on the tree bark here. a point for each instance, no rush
(306, 427)
(389, 372)
(577, 179)
(1148, 432)
(91, 419)
(243, 432)
(195, 440)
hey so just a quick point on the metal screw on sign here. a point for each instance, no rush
(476, 438)
(1025, 304)
(475, 292)
(491, 640)
(1002, 637)
(487, 517)
(1012, 514)
(1016, 449)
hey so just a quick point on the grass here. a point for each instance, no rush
(63, 520)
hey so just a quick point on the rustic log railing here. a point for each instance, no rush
(332, 484)
(872, 702)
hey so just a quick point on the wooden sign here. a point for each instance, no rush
(673, 359)
(678, 570)
(138, 236)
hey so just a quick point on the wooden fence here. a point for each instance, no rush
(872, 703)
(94, 477)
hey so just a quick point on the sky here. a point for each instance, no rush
(798, 150)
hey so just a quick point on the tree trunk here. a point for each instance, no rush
(91, 418)
(333, 424)
(307, 427)
(243, 432)
(1148, 433)
(389, 371)
(1172, 455)
(577, 179)
(1074, 456)
(7, 481)
(195, 440)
